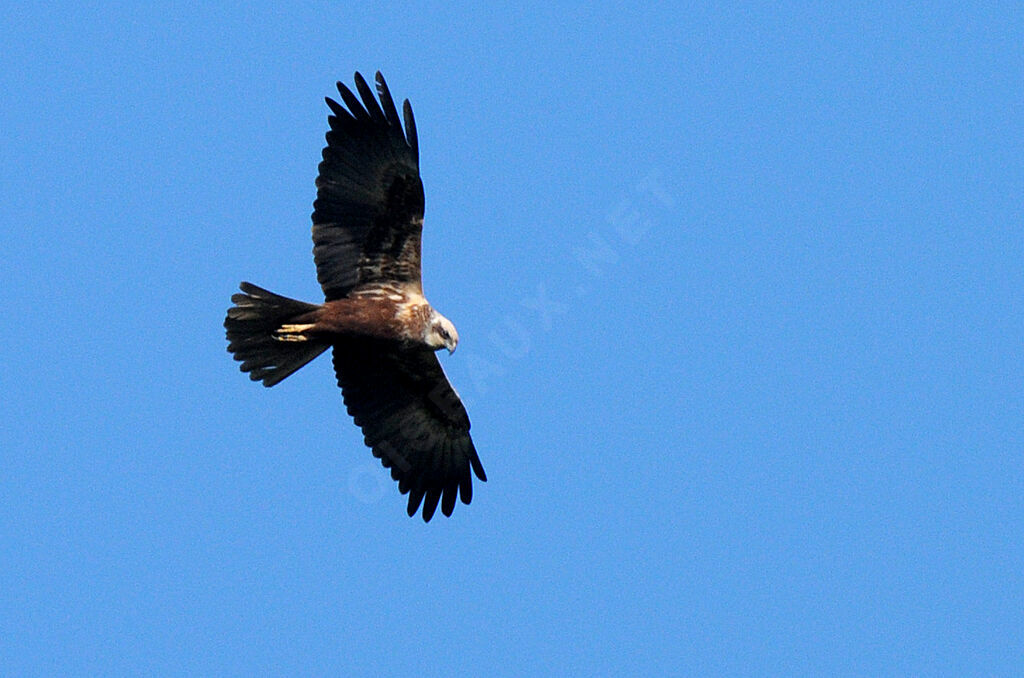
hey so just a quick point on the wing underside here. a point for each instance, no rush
(368, 214)
(412, 419)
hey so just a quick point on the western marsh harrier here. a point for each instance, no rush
(367, 223)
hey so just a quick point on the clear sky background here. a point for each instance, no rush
(740, 289)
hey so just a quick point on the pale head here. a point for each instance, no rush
(440, 333)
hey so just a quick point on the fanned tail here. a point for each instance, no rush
(265, 333)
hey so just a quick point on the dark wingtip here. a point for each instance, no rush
(448, 499)
(466, 487)
(415, 497)
(478, 468)
(382, 85)
(369, 100)
(335, 107)
(430, 504)
(411, 137)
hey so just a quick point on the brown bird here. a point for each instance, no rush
(367, 224)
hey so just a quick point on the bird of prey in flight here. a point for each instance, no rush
(383, 334)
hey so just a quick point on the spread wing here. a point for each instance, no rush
(411, 418)
(368, 214)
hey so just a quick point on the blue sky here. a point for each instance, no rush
(739, 290)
